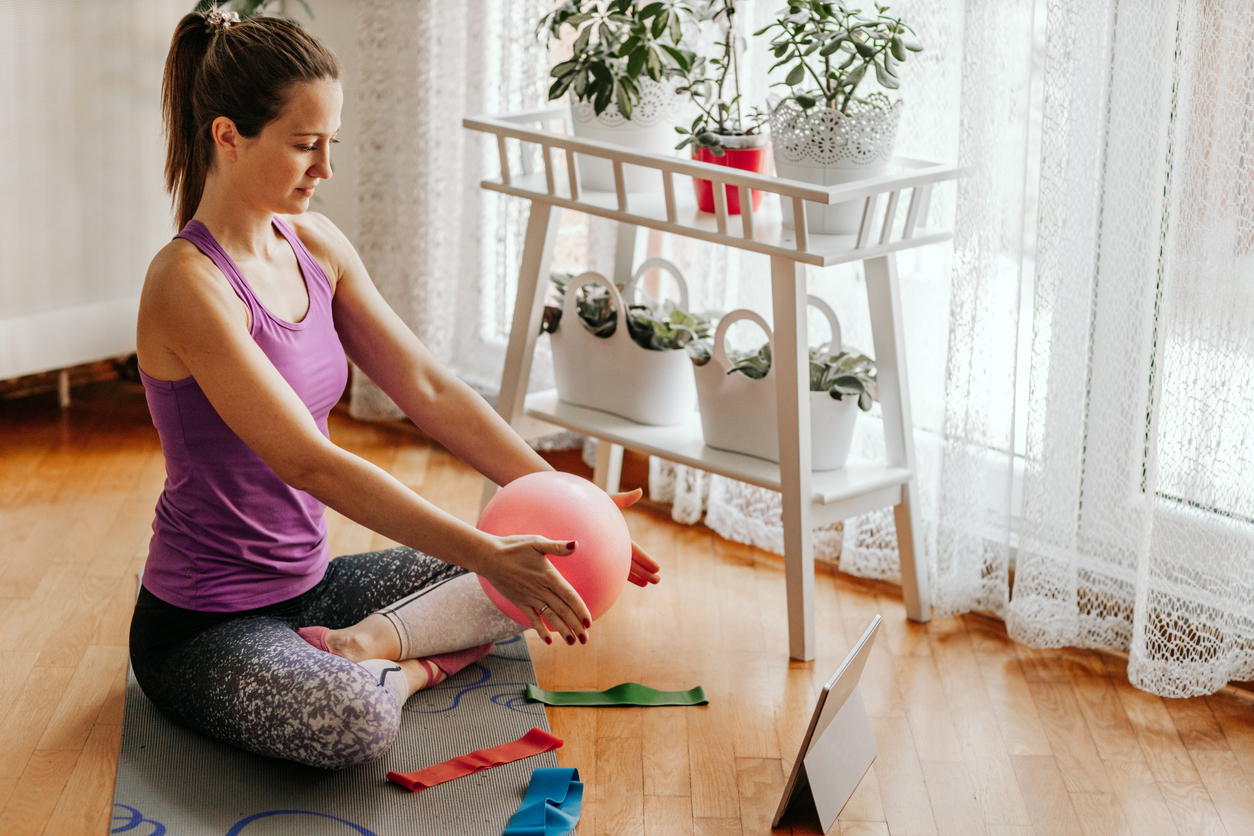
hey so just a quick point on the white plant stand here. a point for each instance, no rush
(809, 498)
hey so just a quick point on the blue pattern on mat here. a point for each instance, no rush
(514, 699)
(133, 819)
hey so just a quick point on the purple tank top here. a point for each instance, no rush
(229, 533)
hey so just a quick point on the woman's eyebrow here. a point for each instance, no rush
(315, 133)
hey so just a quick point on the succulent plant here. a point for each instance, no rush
(657, 326)
(845, 373)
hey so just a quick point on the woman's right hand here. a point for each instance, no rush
(518, 567)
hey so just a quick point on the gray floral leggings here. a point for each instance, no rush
(247, 679)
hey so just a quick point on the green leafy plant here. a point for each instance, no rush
(615, 43)
(704, 81)
(657, 326)
(831, 49)
(845, 373)
(250, 8)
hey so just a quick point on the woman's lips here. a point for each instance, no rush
(307, 192)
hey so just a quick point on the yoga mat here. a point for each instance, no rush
(629, 693)
(175, 782)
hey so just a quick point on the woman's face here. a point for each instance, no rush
(278, 169)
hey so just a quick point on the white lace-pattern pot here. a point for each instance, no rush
(615, 375)
(738, 412)
(650, 128)
(826, 147)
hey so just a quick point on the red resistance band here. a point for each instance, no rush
(533, 742)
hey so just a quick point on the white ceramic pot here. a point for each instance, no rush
(738, 412)
(615, 375)
(650, 128)
(827, 148)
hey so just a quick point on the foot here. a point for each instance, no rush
(436, 669)
(372, 638)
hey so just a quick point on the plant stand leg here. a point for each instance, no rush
(609, 469)
(884, 299)
(533, 281)
(792, 382)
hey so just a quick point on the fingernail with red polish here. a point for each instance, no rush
(570, 639)
(548, 640)
(583, 639)
(587, 623)
(571, 545)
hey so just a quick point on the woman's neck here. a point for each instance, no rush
(239, 227)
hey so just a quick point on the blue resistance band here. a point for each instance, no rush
(551, 806)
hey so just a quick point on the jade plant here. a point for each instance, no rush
(831, 49)
(845, 373)
(657, 326)
(250, 8)
(705, 81)
(616, 41)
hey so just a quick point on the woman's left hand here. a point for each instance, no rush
(644, 569)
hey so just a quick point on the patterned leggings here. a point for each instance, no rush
(247, 679)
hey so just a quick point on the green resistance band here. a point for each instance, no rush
(629, 693)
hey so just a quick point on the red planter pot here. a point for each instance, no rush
(745, 159)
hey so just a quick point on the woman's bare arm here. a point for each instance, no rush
(189, 310)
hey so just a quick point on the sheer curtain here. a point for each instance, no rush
(1082, 374)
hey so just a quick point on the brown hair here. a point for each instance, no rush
(242, 70)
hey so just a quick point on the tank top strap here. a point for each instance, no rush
(200, 236)
(309, 265)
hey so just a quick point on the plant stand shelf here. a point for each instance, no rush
(894, 218)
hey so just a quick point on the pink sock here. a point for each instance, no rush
(316, 636)
(441, 667)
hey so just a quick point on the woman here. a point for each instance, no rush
(244, 323)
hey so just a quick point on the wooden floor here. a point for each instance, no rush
(976, 735)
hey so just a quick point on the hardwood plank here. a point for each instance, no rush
(1168, 759)
(761, 783)
(577, 728)
(7, 786)
(713, 759)
(1100, 814)
(1045, 794)
(15, 666)
(753, 710)
(863, 828)
(35, 704)
(1192, 809)
(83, 699)
(1013, 707)
(665, 752)
(1230, 789)
(1140, 799)
(86, 804)
(1195, 724)
(667, 815)
(990, 770)
(37, 793)
(953, 800)
(620, 795)
(1073, 747)
(1107, 722)
(1237, 721)
(956, 662)
(900, 777)
(83, 617)
(716, 826)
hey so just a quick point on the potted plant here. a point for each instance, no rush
(619, 79)
(824, 132)
(720, 133)
(641, 372)
(738, 404)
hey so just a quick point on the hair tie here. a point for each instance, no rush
(217, 20)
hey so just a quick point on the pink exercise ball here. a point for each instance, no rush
(562, 506)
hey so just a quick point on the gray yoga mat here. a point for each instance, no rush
(174, 781)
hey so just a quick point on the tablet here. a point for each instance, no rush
(852, 758)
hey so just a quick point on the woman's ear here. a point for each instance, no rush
(225, 137)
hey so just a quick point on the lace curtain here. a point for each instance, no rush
(1081, 373)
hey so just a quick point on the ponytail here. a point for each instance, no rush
(242, 70)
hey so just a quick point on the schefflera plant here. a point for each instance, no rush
(844, 374)
(832, 48)
(657, 326)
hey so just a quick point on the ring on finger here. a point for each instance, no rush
(542, 610)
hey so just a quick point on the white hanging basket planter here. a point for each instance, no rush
(650, 128)
(827, 148)
(614, 374)
(738, 412)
